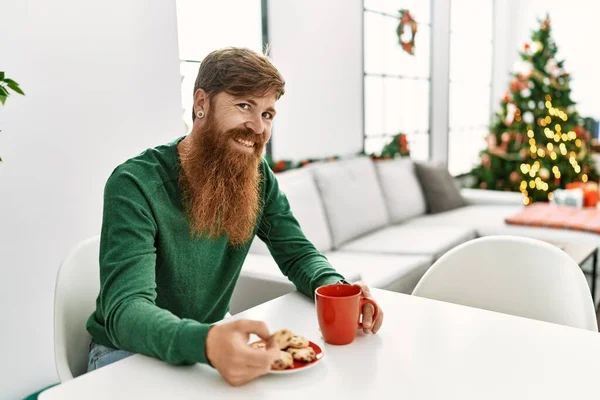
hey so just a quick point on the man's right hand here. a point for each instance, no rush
(228, 351)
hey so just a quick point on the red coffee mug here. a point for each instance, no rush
(339, 308)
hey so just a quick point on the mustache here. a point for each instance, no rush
(247, 134)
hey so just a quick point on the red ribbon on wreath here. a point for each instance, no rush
(407, 19)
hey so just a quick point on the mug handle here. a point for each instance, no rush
(364, 301)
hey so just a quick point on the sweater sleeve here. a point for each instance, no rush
(127, 299)
(294, 254)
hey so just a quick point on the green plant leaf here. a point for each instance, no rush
(1, 75)
(14, 86)
(3, 91)
(2, 99)
(17, 89)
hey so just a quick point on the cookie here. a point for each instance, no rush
(259, 345)
(284, 361)
(298, 342)
(282, 338)
(306, 354)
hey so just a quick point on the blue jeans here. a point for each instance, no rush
(100, 356)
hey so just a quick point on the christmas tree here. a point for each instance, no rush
(537, 142)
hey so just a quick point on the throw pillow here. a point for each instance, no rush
(352, 197)
(401, 189)
(440, 190)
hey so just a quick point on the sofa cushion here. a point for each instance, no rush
(258, 247)
(397, 273)
(383, 271)
(305, 201)
(491, 197)
(440, 189)
(401, 189)
(265, 267)
(412, 239)
(352, 197)
(475, 217)
(260, 281)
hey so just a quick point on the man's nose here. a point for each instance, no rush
(256, 125)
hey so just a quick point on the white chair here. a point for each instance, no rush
(77, 286)
(512, 275)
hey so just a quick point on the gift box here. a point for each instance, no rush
(568, 197)
(590, 192)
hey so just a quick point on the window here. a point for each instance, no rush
(204, 26)
(396, 84)
(471, 46)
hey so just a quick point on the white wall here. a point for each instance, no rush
(102, 84)
(317, 46)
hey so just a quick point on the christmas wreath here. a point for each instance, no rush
(407, 19)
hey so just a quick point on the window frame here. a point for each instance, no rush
(264, 22)
(384, 76)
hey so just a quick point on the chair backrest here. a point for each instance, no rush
(512, 275)
(77, 286)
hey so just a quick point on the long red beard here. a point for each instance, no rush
(220, 184)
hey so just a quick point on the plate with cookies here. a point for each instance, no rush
(297, 353)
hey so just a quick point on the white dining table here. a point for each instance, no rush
(426, 349)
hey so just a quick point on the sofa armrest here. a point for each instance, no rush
(491, 197)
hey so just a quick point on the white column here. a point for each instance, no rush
(440, 73)
(318, 50)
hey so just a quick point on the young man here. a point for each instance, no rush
(178, 222)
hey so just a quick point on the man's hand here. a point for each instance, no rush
(369, 326)
(228, 351)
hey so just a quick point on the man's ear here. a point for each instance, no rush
(200, 100)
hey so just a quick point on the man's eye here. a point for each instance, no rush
(267, 115)
(244, 106)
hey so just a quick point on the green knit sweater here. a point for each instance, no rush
(162, 288)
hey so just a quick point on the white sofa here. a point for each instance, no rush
(369, 219)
